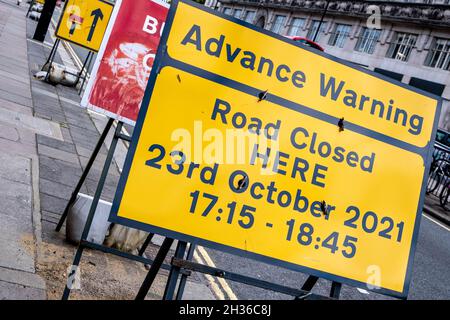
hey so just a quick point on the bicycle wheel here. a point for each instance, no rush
(434, 181)
(440, 169)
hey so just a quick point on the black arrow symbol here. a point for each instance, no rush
(72, 27)
(98, 14)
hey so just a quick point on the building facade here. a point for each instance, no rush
(405, 40)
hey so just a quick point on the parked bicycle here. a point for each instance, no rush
(439, 174)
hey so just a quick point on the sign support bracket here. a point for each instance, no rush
(86, 65)
(174, 272)
(183, 279)
(178, 264)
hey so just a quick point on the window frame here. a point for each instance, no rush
(443, 59)
(298, 28)
(402, 46)
(367, 43)
(275, 24)
(312, 30)
(339, 37)
(253, 12)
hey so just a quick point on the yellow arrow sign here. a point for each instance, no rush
(84, 22)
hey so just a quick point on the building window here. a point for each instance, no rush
(296, 26)
(237, 13)
(278, 23)
(227, 11)
(340, 34)
(249, 16)
(439, 54)
(313, 29)
(401, 47)
(367, 40)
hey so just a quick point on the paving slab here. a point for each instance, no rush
(13, 291)
(58, 154)
(22, 278)
(37, 125)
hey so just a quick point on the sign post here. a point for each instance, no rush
(44, 20)
(328, 178)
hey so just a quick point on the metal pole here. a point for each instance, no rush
(96, 199)
(310, 283)
(183, 279)
(29, 8)
(156, 265)
(145, 244)
(86, 73)
(174, 272)
(51, 58)
(85, 172)
(82, 68)
(321, 21)
(52, 52)
(44, 20)
(335, 290)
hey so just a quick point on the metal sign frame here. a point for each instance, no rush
(162, 60)
(70, 40)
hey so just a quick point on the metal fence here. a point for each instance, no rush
(438, 184)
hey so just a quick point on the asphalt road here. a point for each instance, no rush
(431, 268)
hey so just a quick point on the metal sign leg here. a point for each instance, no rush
(95, 201)
(310, 283)
(85, 75)
(174, 272)
(52, 52)
(85, 173)
(74, 270)
(156, 265)
(51, 57)
(83, 67)
(183, 279)
(335, 290)
(29, 8)
(145, 244)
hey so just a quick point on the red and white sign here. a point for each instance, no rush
(123, 64)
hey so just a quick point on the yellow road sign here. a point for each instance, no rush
(84, 22)
(240, 145)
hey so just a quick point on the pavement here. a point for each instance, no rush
(46, 139)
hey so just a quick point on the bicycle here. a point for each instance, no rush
(439, 170)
